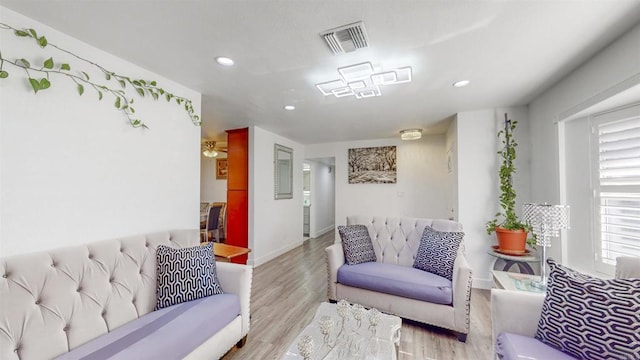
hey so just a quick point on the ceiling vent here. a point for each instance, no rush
(346, 38)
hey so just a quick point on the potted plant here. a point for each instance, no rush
(510, 231)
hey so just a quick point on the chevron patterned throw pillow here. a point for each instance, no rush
(185, 274)
(356, 244)
(590, 318)
(437, 251)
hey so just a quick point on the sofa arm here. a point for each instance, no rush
(335, 259)
(236, 279)
(516, 312)
(461, 283)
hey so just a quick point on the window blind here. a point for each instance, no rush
(618, 188)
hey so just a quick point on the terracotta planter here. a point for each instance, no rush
(511, 241)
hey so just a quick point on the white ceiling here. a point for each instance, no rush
(510, 50)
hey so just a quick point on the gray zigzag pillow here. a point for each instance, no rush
(356, 244)
(437, 251)
(185, 274)
(590, 318)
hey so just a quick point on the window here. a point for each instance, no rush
(616, 148)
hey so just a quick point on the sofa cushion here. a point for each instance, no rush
(356, 244)
(185, 274)
(170, 333)
(397, 280)
(437, 251)
(590, 318)
(513, 347)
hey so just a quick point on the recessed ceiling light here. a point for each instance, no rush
(461, 83)
(289, 107)
(225, 61)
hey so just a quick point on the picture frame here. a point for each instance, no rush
(221, 169)
(373, 165)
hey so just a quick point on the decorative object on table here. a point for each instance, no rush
(326, 326)
(372, 165)
(374, 319)
(283, 172)
(305, 347)
(81, 78)
(546, 221)
(510, 232)
(590, 318)
(221, 169)
(357, 311)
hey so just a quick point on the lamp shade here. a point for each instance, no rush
(208, 149)
(546, 220)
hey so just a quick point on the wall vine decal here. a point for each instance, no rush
(40, 78)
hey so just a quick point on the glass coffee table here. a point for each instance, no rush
(358, 339)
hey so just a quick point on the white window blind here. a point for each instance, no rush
(617, 187)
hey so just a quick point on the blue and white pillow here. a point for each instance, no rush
(356, 244)
(185, 274)
(437, 251)
(590, 318)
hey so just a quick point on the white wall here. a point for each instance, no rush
(275, 226)
(322, 211)
(211, 189)
(609, 72)
(420, 188)
(477, 179)
(451, 184)
(71, 168)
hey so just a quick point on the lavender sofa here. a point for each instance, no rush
(392, 285)
(96, 301)
(515, 316)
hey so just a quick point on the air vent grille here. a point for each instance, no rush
(346, 38)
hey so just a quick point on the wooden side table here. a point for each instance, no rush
(510, 260)
(226, 252)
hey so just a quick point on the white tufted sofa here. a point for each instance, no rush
(52, 302)
(396, 241)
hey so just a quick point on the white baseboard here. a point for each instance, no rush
(273, 254)
(486, 284)
(322, 231)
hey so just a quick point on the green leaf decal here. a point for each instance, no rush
(21, 33)
(118, 102)
(44, 83)
(153, 83)
(35, 84)
(33, 33)
(136, 82)
(65, 67)
(25, 63)
(3, 74)
(80, 89)
(86, 76)
(140, 91)
(108, 76)
(136, 122)
(48, 64)
(99, 95)
(122, 83)
(43, 41)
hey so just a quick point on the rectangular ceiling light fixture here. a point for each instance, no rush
(361, 81)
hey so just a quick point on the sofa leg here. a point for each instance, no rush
(462, 337)
(242, 342)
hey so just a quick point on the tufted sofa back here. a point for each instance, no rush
(396, 240)
(54, 301)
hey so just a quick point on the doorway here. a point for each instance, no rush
(318, 196)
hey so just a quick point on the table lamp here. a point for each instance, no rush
(546, 221)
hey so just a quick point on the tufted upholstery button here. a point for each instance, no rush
(111, 279)
(121, 250)
(104, 313)
(37, 302)
(5, 275)
(90, 256)
(65, 329)
(79, 289)
(140, 272)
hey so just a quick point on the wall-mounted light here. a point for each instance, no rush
(411, 134)
(360, 81)
(208, 149)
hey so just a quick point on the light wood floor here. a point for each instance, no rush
(287, 291)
